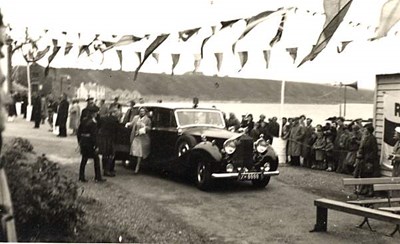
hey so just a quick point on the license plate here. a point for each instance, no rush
(250, 176)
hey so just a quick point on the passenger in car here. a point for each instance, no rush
(140, 140)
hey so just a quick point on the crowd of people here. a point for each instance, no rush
(95, 126)
(335, 147)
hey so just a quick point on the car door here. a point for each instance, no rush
(163, 135)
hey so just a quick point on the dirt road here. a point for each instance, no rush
(281, 213)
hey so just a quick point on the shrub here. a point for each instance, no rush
(45, 201)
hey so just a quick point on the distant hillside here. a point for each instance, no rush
(167, 87)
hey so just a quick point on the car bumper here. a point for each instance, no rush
(236, 175)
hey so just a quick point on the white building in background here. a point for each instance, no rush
(90, 89)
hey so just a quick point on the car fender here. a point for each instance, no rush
(208, 148)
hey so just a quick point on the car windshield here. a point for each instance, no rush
(198, 117)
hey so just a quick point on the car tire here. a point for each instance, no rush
(203, 175)
(261, 183)
(184, 144)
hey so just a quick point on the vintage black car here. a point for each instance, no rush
(196, 142)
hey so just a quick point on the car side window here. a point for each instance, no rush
(163, 118)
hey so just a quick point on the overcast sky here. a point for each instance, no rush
(360, 61)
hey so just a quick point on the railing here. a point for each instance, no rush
(7, 232)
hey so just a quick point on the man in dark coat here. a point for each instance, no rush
(62, 116)
(130, 113)
(85, 111)
(308, 141)
(367, 162)
(87, 136)
(36, 110)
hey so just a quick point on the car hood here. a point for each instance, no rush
(211, 132)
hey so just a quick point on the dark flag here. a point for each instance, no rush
(119, 53)
(251, 23)
(149, 50)
(219, 57)
(84, 49)
(327, 34)
(52, 56)
(202, 46)
(175, 60)
(344, 45)
(228, 23)
(243, 56)
(185, 35)
(390, 15)
(267, 55)
(156, 56)
(278, 35)
(293, 53)
(68, 47)
(139, 54)
(213, 28)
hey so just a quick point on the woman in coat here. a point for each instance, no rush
(140, 140)
(296, 136)
(74, 116)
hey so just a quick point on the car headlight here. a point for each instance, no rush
(261, 146)
(229, 168)
(230, 147)
(267, 166)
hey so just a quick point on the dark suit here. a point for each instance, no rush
(62, 116)
(86, 134)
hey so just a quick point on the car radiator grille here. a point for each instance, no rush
(244, 153)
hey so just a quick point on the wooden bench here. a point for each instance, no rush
(356, 182)
(324, 204)
(389, 188)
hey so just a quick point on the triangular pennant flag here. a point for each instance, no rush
(243, 56)
(185, 35)
(293, 53)
(228, 23)
(267, 55)
(175, 60)
(278, 35)
(251, 23)
(124, 40)
(343, 46)
(149, 50)
(202, 46)
(156, 56)
(327, 34)
(254, 21)
(84, 48)
(119, 53)
(139, 54)
(197, 61)
(52, 56)
(219, 57)
(390, 15)
(68, 47)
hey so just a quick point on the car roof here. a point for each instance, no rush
(173, 106)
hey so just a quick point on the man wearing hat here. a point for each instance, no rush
(395, 156)
(90, 103)
(87, 133)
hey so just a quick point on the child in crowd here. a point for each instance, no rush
(319, 147)
(329, 154)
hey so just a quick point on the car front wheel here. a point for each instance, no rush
(203, 175)
(261, 183)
